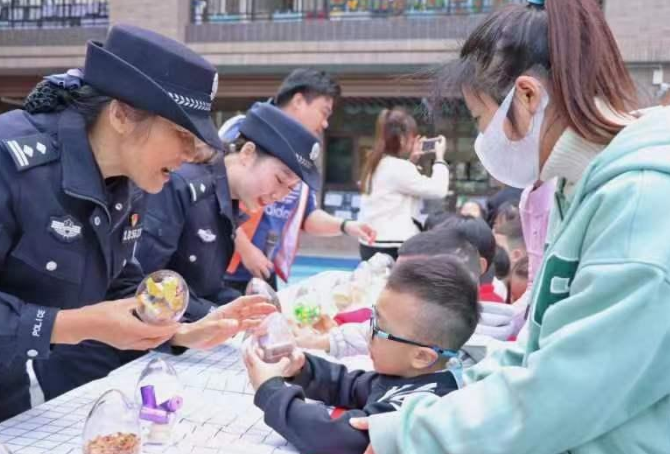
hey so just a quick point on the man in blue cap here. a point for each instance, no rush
(266, 244)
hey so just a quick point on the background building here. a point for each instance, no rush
(376, 48)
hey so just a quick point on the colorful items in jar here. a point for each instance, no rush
(163, 297)
(118, 443)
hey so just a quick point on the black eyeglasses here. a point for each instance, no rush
(375, 331)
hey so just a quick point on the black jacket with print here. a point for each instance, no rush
(309, 426)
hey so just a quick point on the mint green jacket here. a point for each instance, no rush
(594, 375)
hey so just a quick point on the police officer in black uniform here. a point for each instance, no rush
(189, 228)
(190, 225)
(73, 170)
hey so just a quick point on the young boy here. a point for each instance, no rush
(426, 312)
(351, 339)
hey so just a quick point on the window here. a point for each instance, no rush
(340, 162)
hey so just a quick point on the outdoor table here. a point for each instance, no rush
(218, 415)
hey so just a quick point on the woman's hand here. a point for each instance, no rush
(417, 150)
(206, 333)
(440, 148)
(361, 231)
(222, 324)
(112, 323)
(248, 311)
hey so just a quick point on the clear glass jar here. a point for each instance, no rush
(258, 286)
(112, 426)
(276, 340)
(159, 396)
(163, 298)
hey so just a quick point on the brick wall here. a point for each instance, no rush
(641, 28)
(50, 37)
(168, 17)
(390, 46)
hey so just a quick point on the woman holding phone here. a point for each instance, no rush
(392, 185)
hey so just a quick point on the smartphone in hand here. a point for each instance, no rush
(428, 145)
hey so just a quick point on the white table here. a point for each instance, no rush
(218, 415)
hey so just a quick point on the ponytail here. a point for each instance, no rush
(586, 64)
(392, 127)
(566, 41)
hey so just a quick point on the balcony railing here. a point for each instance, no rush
(53, 13)
(296, 10)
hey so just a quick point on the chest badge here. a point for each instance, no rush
(134, 231)
(65, 228)
(207, 235)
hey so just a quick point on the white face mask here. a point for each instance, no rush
(515, 163)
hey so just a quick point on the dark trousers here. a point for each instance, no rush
(71, 366)
(369, 251)
(14, 389)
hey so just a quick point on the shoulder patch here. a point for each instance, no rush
(31, 151)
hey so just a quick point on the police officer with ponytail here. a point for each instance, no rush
(74, 167)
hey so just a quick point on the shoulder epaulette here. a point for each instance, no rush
(31, 151)
(200, 188)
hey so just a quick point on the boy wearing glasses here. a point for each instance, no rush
(425, 314)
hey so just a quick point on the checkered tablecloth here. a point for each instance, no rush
(218, 415)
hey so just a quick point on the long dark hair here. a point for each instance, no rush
(566, 41)
(392, 127)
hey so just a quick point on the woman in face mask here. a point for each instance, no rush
(549, 91)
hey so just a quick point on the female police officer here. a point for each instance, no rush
(190, 225)
(73, 168)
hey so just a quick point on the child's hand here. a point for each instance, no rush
(260, 371)
(312, 339)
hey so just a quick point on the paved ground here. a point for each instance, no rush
(339, 246)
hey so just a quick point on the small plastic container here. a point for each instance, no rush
(159, 398)
(278, 340)
(112, 426)
(307, 308)
(163, 298)
(381, 264)
(258, 286)
(341, 295)
(361, 279)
